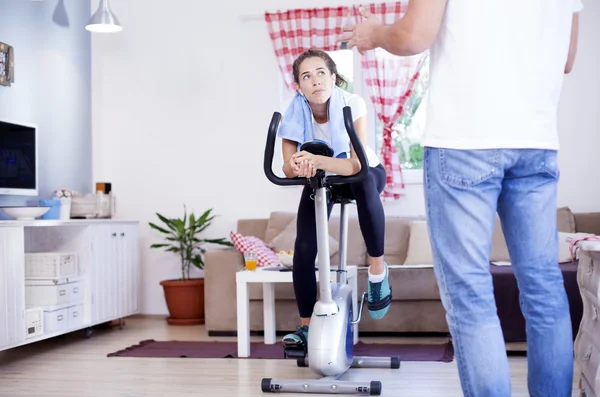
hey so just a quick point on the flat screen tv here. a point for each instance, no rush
(18, 159)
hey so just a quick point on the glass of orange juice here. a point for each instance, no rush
(251, 258)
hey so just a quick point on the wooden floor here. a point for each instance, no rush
(75, 366)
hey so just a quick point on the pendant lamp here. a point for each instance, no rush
(104, 21)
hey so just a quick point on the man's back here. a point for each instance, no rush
(497, 69)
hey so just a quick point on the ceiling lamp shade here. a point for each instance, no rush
(104, 21)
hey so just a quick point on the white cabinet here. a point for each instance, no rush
(12, 287)
(106, 287)
(115, 276)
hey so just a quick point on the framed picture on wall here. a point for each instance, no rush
(7, 64)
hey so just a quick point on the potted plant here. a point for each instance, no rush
(185, 296)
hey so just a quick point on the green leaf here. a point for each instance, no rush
(198, 262)
(160, 245)
(160, 229)
(222, 241)
(167, 222)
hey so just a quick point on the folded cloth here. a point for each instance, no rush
(297, 123)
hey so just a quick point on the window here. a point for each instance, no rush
(408, 129)
(344, 60)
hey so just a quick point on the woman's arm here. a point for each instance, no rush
(290, 168)
(349, 166)
(289, 148)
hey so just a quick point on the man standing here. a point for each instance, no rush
(491, 143)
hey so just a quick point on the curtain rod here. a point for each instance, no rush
(252, 16)
(258, 16)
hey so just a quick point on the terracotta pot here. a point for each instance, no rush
(185, 300)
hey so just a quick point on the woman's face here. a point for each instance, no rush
(315, 80)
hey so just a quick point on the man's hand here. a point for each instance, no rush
(412, 34)
(363, 36)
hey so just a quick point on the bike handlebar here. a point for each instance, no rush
(333, 179)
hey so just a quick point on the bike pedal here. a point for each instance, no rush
(294, 351)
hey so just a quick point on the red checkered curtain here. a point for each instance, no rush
(294, 31)
(389, 79)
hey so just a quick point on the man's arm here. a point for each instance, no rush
(573, 45)
(416, 31)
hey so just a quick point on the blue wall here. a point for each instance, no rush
(52, 89)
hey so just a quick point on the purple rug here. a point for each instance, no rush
(175, 349)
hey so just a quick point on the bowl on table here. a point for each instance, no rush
(25, 213)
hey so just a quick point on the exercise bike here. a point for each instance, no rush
(331, 336)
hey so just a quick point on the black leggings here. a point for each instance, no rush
(372, 225)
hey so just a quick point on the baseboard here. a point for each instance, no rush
(362, 334)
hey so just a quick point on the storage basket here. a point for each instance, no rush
(34, 322)
(51, 265)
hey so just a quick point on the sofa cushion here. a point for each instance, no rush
(587, 222)
(277, 223)
(397, 234)
(253, 227)
(499, 250)
(419, 245)
(356, 251)
(284, 241)
(565, 220)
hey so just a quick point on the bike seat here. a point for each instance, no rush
(340, 197)
(317, 147)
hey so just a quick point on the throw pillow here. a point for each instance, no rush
(265, 255)
(285, 240)
(419, 246)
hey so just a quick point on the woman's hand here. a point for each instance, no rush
(302, 168)
(304, 156)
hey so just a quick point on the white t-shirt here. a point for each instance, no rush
(496, 74)
(359, 109)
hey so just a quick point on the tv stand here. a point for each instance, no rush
(106, 287)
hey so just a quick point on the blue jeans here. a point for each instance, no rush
(463, 191)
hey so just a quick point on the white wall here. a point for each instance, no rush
(182, 99)
(51, 90)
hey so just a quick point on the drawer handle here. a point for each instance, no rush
(595, 313)
(75, 314)
(122, 234)
(588, 354)
(114, 234)
(75, 290)
(62, 292)
(60, 317)
(590, 268)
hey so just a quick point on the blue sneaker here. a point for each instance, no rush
(380, 297)
(297, 339)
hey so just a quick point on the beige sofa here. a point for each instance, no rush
(416, 305)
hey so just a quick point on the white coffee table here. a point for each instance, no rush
(268, 278)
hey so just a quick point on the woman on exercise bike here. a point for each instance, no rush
(316, 113)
